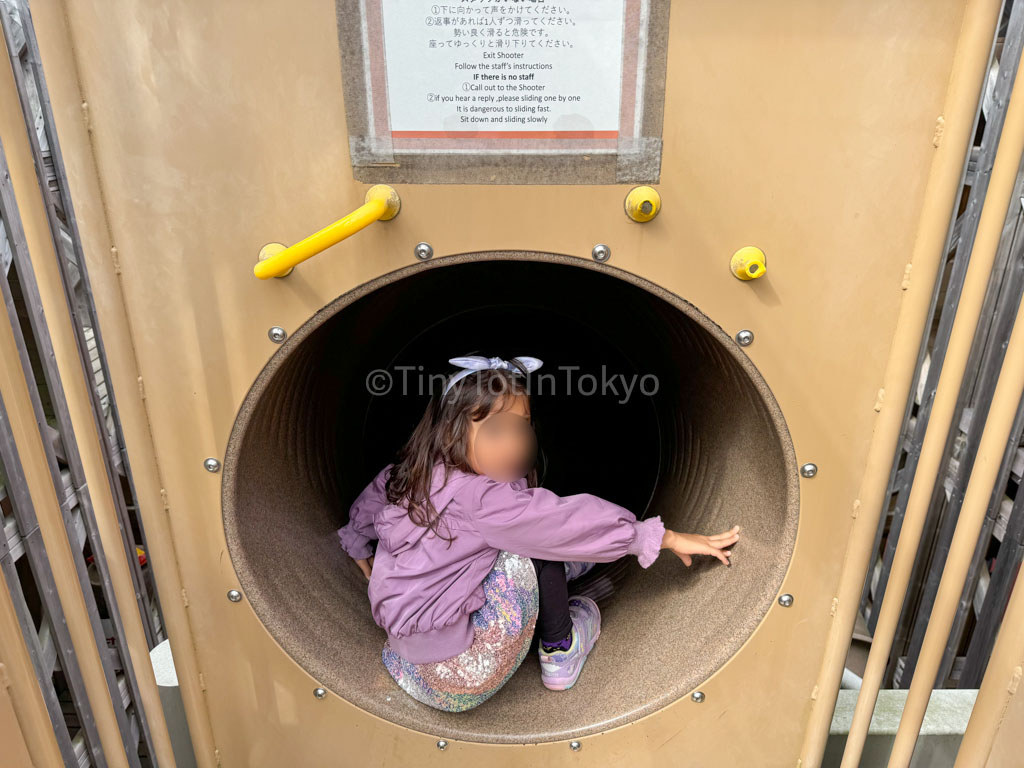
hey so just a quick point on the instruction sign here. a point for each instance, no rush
(498, 73)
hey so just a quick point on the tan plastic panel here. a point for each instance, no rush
(807, 130)
(16, 753)
(1006, 748)
(25, 726)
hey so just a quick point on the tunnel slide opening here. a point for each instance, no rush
(706, 449)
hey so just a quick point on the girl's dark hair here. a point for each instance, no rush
(442, 435)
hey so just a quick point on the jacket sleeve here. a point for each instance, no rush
(355, 536)
(536, 522)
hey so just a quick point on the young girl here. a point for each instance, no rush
(473, 557)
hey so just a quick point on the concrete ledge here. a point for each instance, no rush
(944, 723)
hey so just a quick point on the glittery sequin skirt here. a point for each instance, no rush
(502, 627)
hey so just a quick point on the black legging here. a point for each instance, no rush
(553, 620)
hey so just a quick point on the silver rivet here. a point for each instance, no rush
(423, 251)
(575, 746)
(601, 252)
(745, 338)
(786, 600)
(809, 470)
(319, 692)
(698, 696)
(211, 464)
(277, 334)
(234, 595)
(441, 744)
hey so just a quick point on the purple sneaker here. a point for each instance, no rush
(573, 569)
(560, 670)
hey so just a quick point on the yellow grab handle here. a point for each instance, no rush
(275, 260)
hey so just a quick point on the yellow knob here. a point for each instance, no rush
(272, 249)
(390, 197)
(642, 203)
(748, 263)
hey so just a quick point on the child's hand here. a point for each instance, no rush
(365, 565)
(686, 544)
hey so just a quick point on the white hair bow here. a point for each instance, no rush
(474, 363)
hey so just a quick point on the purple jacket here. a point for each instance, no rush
(422, 592)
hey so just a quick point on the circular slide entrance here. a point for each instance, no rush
(650, 404)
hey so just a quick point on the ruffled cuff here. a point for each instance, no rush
(646, 545)
(358, 547)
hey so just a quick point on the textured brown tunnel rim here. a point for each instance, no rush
(317, 609)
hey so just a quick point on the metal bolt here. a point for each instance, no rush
(575, 746)
(809, 470)
(423, 251)
(277, 334)
(442, 744)
(786, 600)
(211, 464)
(234, 595)
(319, 692)
(745, 338)
(601, 252)
(698, 696)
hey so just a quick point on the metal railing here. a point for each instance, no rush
(275, 260)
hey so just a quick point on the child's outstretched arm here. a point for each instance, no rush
(536, 522)
(355, 536)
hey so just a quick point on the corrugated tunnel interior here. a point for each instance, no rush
(700, 441)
